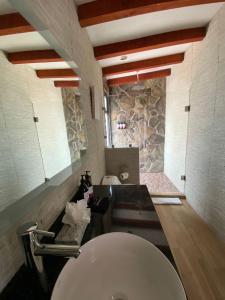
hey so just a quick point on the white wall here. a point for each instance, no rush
(205, 155)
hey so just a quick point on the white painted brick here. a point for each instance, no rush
(205, 156)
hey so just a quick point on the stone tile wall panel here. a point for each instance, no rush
(142, 107)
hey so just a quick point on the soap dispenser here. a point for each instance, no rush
(88, 180)
(82, 188)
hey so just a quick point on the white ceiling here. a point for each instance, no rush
(139, 72)
(145, 55)
(152, 23)
(119, 30)
(27, 41)
(50, 65)
(149, 24)
(23, 41)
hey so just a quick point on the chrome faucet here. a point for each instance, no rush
(34, 250)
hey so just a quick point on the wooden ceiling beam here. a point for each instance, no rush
(14, 23)
(138, 77)
(150, 42)
(144, 64)
(64, 84)
(37, 56)
(56, 73)
(97, 12)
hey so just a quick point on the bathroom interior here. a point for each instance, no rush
(112, 150)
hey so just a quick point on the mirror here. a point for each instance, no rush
(42, 129)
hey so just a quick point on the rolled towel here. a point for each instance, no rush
(166, 201)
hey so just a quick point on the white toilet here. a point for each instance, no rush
(110, 180)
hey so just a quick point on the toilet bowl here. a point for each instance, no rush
(110, 180)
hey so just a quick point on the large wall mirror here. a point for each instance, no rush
(42, 129)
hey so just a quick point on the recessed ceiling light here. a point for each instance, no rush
(124, 57)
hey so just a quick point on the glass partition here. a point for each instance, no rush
(76, 129)
(21, 164)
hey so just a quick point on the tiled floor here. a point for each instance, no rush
(157, 182)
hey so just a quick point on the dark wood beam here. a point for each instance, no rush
(150, 42)
(97, 12)
(138, 77)
(63, 84)
(14, 23)
(37, 56)
(144, 64)
(56, 73)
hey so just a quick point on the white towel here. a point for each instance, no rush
(173, 201)
(76, 213)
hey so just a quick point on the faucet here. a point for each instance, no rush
(34, 250)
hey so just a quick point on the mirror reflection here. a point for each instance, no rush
(75, 125)
(42, 129)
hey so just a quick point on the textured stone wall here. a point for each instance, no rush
(75, 125)
(142, 107)
(205, 154)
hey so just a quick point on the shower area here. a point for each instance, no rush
(137, 115)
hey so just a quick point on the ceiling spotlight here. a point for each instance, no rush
(124, 57)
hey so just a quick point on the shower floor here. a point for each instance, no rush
(157, 183)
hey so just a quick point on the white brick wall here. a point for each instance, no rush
(205, 155)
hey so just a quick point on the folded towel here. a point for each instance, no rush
(71, 235)
(171, 201)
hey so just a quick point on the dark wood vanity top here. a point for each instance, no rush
(134, 195)
(125, 197)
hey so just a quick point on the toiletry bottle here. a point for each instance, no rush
(83, 183)
(88, 180)
(90, 187)
(82, 188)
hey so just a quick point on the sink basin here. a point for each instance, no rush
(118, 266)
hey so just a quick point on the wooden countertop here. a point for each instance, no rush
(198, 252)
